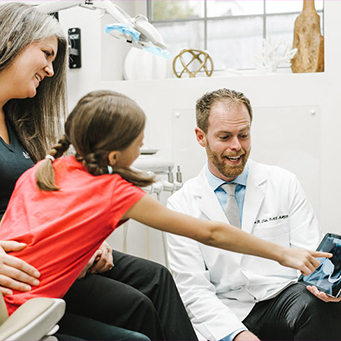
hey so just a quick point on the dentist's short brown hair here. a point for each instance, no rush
(205, 103)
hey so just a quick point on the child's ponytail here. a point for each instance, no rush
(97, 164)
(137, 178)
(45, 174)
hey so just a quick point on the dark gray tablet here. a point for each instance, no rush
(327, 276)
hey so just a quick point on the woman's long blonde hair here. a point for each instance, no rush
(102, 122)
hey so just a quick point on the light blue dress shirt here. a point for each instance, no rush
(240, 180)
(215, 184)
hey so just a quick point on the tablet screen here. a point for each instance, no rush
(327, 276)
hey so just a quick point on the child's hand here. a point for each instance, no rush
(90, 263)
(101, 261)
(302, 260)
(104, 262)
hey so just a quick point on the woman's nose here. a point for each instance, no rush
(49, 70)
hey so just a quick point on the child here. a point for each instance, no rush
(64, 208)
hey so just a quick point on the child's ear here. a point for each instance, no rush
(113, 157)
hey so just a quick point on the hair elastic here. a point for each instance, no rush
(49, 157)
(110, 170)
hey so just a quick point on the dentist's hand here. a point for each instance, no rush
(15, 274)
(246, 336)
(322, 295)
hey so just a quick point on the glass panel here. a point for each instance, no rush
(219, 8)
(173, 10)
(232, 42)
(319, 5)
(284, 6)
(320, 13)
(183, 35)
(281, 27)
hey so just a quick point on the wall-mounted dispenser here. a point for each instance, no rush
(75, 61)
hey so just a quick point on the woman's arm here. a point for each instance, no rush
(150, 212)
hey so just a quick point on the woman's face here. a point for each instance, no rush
(30, 67)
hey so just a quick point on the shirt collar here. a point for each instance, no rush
(215, 182)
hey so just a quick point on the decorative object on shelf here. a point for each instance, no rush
(308, 41)
(273, 54)
(197, 55)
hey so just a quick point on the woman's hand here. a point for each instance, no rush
(322, 295)
(15, 274)
(302, 260)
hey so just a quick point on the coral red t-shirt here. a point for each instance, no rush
(63, 229)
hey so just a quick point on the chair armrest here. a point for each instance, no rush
(34, 319)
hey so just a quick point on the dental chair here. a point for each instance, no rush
(35, 320)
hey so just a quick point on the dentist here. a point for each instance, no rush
(230, 296)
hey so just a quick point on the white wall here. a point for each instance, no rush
(169, 105)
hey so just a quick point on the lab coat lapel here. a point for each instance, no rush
(210, 207)
(208, 202)
(254, 195)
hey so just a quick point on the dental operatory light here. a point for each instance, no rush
(138, 31)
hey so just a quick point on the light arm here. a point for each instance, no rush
(149, 36)
(56, 6)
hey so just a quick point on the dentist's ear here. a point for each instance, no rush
(113, 157)
(200, 135)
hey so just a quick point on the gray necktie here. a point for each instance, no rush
(231, 208)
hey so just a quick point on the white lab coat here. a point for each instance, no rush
(219, 288)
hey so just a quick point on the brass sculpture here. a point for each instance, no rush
(202, 56)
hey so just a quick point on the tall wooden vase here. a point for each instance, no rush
(308, 41)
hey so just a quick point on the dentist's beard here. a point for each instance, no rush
(222, 165)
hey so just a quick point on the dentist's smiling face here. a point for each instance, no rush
(31, 66)
(228, 141)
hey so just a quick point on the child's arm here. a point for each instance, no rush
(150, 212)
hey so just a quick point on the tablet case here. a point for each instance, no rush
(327, 276)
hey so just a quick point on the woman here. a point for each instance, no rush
(134, 294)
